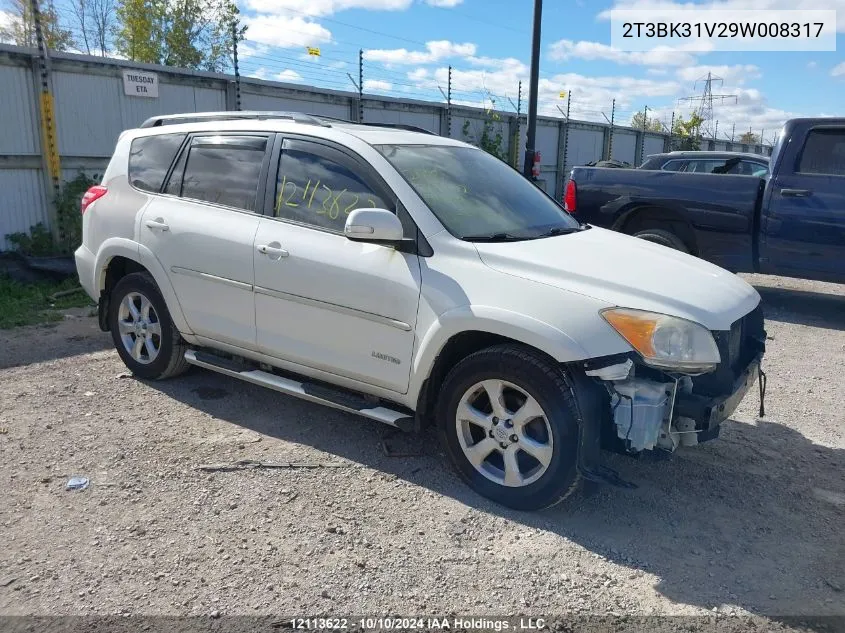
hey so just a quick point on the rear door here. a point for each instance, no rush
(202, 227)
(803, 231)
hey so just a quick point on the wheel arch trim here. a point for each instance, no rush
(143, 256)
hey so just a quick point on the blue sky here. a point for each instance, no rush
(409, 45)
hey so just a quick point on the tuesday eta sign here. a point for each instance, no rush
(140, 84)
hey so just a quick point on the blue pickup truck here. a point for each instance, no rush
(790, 222)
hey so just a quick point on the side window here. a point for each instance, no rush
(824, 153)
(223, 170)
(674, 165)
(150, 158)
(316, 190)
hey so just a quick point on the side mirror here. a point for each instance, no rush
(373, 225)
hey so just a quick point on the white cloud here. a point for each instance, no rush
(738, 73)
(733, 5)
(318, 8)
(286, 32)
(659, 56)
(259, 73)
(435, 51)
(446, 4)
(812, 65)
(288, 75)
(838, 70)
(248, 49)
(6, 21)
(377, 85)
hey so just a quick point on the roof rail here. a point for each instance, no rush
(396, 126)
(196, 117)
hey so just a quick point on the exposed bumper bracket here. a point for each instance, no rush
(589, 437)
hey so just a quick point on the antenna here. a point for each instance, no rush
(705, 100)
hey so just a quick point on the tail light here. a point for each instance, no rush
(569, 196)
(94, 193)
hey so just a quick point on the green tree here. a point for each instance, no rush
(749, 138)
(195, 34)
(488, 136)
(651, 125)
(21, 31)
(687, 134)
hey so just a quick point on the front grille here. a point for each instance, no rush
(737, 347)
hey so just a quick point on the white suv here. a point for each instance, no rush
(410, 278)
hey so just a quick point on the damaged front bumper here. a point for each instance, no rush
(634, 408)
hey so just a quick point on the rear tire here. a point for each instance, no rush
(664, 238)
(526, 461)
(143, 333)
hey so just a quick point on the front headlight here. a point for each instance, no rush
(665, 341)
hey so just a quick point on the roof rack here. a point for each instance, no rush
(196, 117)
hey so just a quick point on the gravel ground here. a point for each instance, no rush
(751, 523)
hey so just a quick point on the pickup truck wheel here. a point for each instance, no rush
(508, 421)
(143, 334)
(664, 238)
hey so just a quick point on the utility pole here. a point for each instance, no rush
(235, 63)
(733, 131)
(642, 135)
(566, 133)
(449, 104)
(612, 121)
(532, 92)
(716, 131)
(672, 133)
(48, 124)
(361, 85)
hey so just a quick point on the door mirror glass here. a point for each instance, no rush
(373, 225)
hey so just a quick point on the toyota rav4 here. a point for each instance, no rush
(412, 279)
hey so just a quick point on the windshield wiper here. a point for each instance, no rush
(553, 232)
(493, 237)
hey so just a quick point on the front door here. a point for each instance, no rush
(202, 229)
(321, 300)
(803, 227)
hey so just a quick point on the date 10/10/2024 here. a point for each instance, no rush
(328, 202)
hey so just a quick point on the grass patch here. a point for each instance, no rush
(30, 304)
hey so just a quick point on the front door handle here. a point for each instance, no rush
(158, 224)
(273, 250)
(795, 193)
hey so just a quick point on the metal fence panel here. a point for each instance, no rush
(18, 125)
(625, 147)
(380, 112)
(318, 105)
(22, 202)
(653, 144)
(585, 145)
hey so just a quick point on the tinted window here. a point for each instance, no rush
(223, 170)
(704, 166)
(476, 195)
(824, 153)
(674, 165)
(150, 158)
(315, 190)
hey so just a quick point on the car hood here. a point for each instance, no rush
(627, 272)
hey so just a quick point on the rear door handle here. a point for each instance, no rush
(158, 224)
(795, 193)
(272, 250)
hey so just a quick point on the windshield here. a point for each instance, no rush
(477, 196)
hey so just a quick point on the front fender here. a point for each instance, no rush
(506, 323)
(122, 247)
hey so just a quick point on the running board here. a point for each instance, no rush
(306, 391)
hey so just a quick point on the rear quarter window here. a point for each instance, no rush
(824, 153)
(150, 158)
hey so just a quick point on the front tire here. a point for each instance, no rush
(508, 420)
(664, 238)
(143, 333)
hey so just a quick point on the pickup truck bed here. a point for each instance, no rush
(790, 222)
(717, 226)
